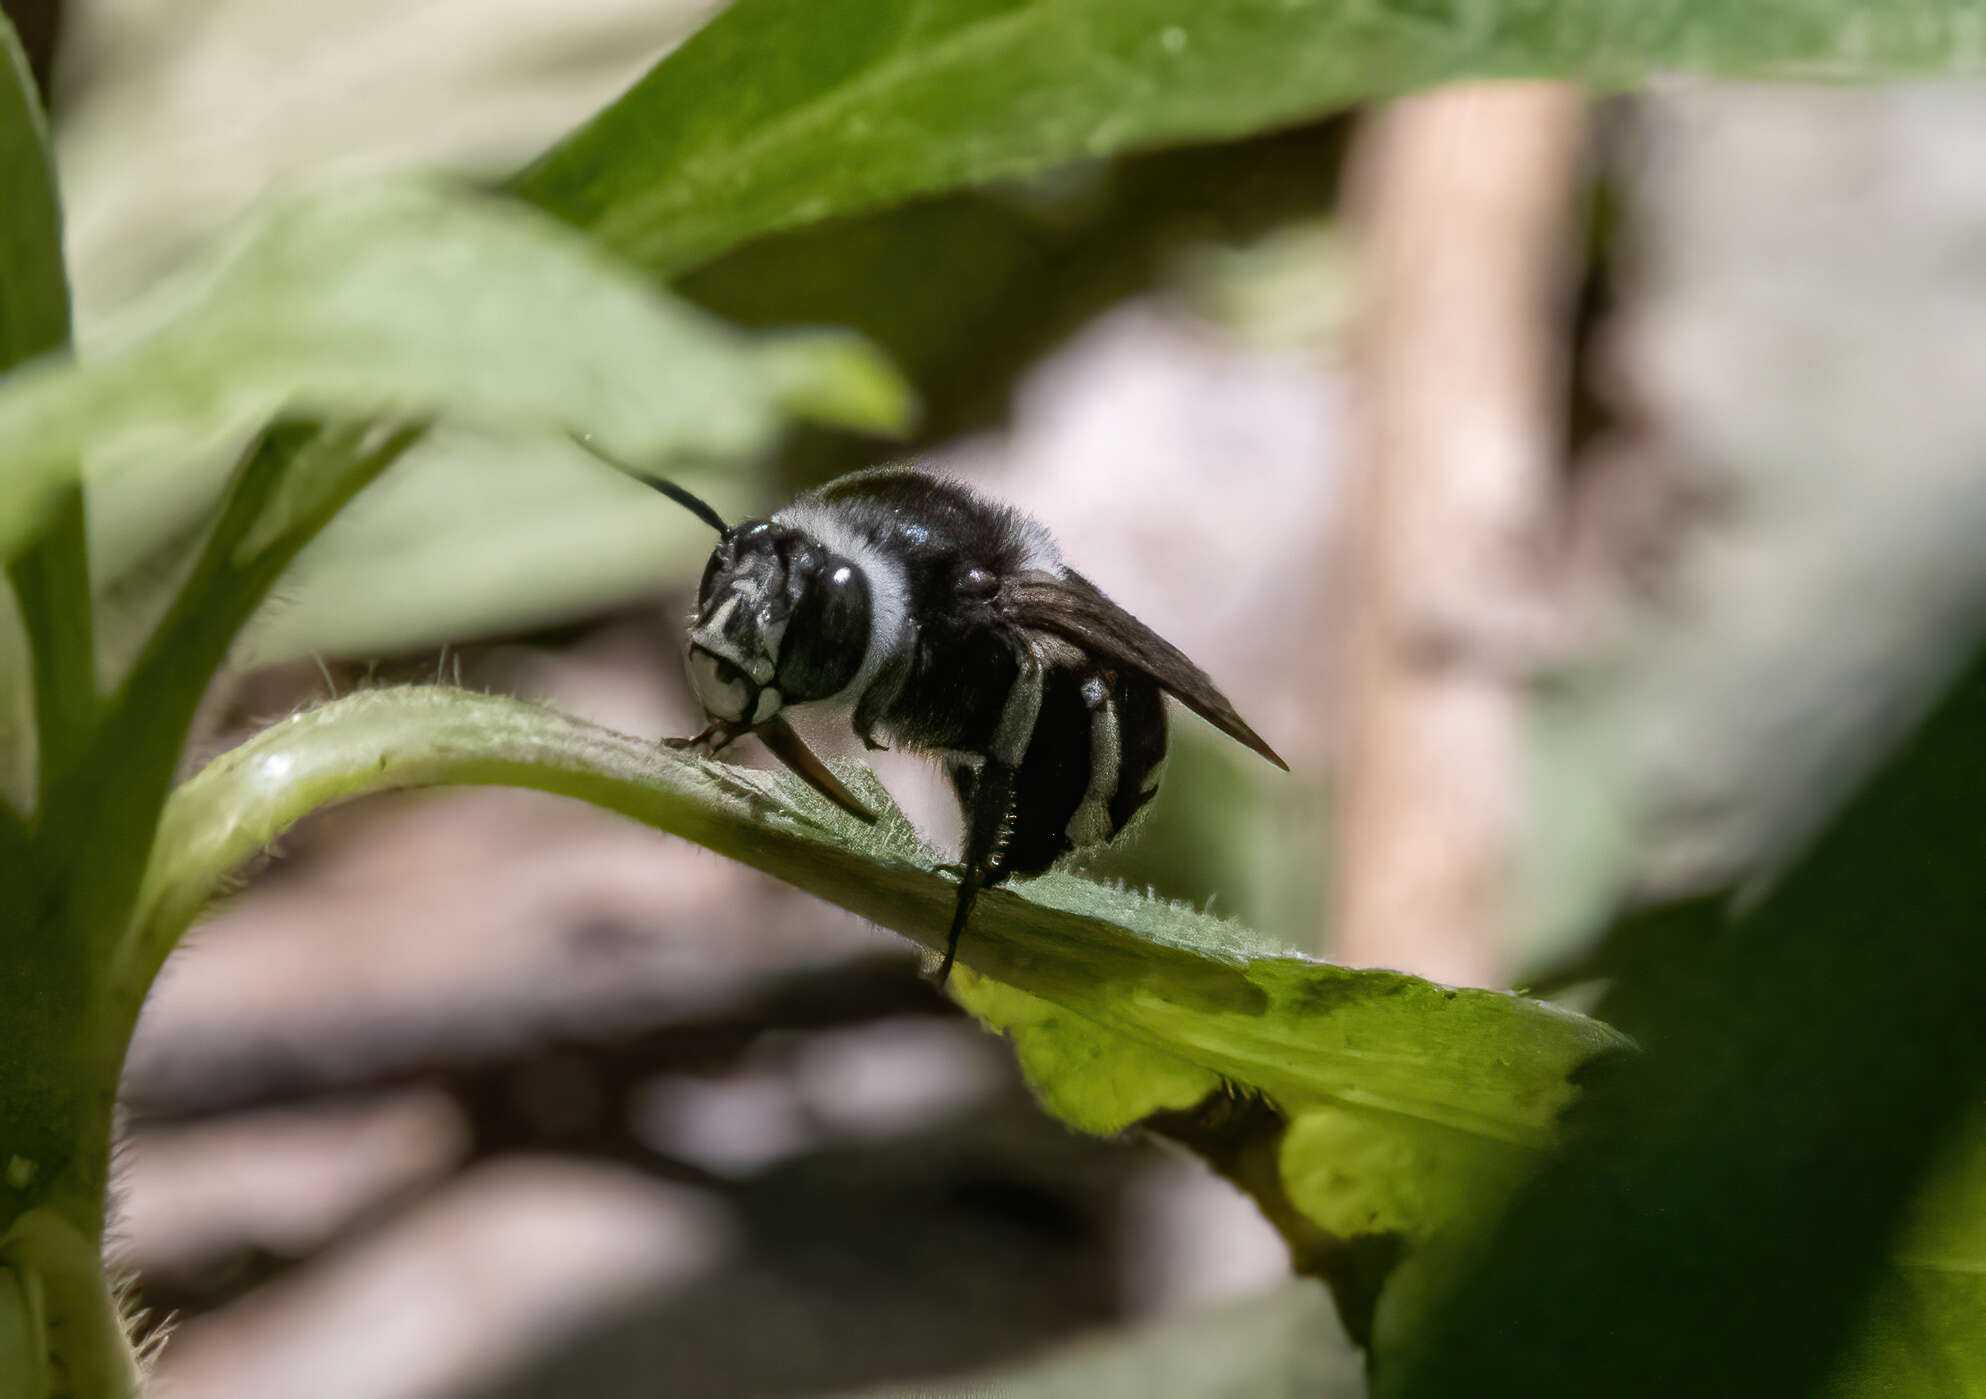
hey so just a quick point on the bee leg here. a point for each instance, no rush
(712, 740)
(877, 699)
(986, 831)
(990, 813)
(968, 894)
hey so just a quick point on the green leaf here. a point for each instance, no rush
(1924, 1336)
(46, 669)
(1121, 1004)
(1004, 273)
(1094, 1080)
(1743, 1183)
(407, 299)
(778, 114)
(58, 1266)
(471, 536)
(34, 288)
(17, 741)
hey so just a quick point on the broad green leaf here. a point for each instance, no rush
(1121, 1004)
(408, 299)
(1743, 1182)
(1923, 1337)
(778, 114)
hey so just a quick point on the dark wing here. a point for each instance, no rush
(1074, 608)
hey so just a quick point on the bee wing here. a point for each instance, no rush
(1072, 607)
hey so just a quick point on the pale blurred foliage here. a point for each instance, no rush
(177, 114)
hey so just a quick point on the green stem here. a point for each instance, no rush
(63, 1314)
(61, 1038)
(98, 828)
(52, 580)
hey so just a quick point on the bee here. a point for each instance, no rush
(949, 625)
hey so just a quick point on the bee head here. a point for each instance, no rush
(779, 620)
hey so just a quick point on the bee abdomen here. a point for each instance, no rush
(1092, 763)
(1142, 740)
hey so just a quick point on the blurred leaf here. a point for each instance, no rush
(475, 536)
(1282, 1344)
(1925, 1334)
(1922, 1337)
(1004, 273)
(34, 290)
(406, 299)
(835, 378)
(16, 727)
(34, 316)
(1743, 1183)
(778, 114)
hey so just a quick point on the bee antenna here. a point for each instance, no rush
(696, 505)
(692, 503)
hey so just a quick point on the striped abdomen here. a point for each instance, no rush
(1092, 763)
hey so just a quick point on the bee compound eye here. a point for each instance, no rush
(721, 688)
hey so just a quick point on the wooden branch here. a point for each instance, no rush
(1463, 199)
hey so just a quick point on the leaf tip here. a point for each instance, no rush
(839, 379)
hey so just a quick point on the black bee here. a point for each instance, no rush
(950, 625)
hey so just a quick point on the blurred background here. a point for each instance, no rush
(1578, 494)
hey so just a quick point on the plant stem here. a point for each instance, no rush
(52, 580)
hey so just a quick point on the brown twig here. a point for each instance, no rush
(1463, 199)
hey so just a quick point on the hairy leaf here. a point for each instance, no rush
(55, 1262)
(1121, 1004)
